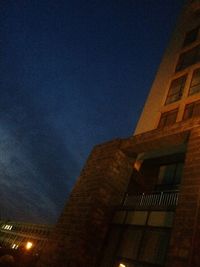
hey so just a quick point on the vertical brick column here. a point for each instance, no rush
(185, 240)
(81, 228)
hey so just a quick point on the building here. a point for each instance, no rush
(16, 235)
(137, 200)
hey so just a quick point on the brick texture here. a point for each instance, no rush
(185, 242)
(82, 226)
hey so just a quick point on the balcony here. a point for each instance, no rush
(161, 200)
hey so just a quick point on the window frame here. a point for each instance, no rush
(165, 116)
(164, 182)
(197, 84)
(178, 95)
(188, 58)
(191, 36)
(191, 112)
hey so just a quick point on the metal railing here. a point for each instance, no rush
(162, 199)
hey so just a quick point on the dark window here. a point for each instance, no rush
(191, 37)
(195, 83)
(188, 58)
(192, 110)
(154, 247)
(110, 246)
(168, 118)
(130, 242)
(176, 90)
(169, 176)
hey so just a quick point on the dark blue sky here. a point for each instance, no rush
(72, 74)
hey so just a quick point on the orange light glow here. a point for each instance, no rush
(29, 245)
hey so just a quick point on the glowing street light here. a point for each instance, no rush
(29, 245)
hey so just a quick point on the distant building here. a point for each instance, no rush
(137, 200)
(18, 235)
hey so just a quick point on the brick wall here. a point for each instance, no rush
(81, 228)
(185, 242)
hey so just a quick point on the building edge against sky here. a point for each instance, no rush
(156, 104)
(136, 202)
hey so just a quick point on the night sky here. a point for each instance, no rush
(73, 73)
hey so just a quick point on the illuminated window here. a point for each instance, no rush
(192, 110)
(168, 118)
(195, 83)
(176, 90)
(191, 36)
(137, 217)
(188, 58)
(161, 218)
(7, 227)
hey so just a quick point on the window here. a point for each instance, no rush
(119, 217)
(110, 246)
(130, 243)
(176, 90)
(188, 58)
(161, 218)
(137, 217)
(154, 247)
(195, 83)
(169, 176)
(191, 37)
(168, 118)
(192, 110)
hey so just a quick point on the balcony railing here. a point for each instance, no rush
(154, 199)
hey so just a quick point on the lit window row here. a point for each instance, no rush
(15, 246)
(7, 227)
(153, 218)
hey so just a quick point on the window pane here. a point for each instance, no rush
(194, 89)
(195, 83)
(110, 247)
(119, 217)
(196, 77)
(192, 110)
(188, 111)
(171, 118)
(154, 247)
(191, 36)
(161, 218)
(130, 243)
(179, 173)
(176, 90)
(168, 118)
(166, 174)
(196, 110)
(137, 217)
(170, 174)
(188, 58)
(162, 122)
